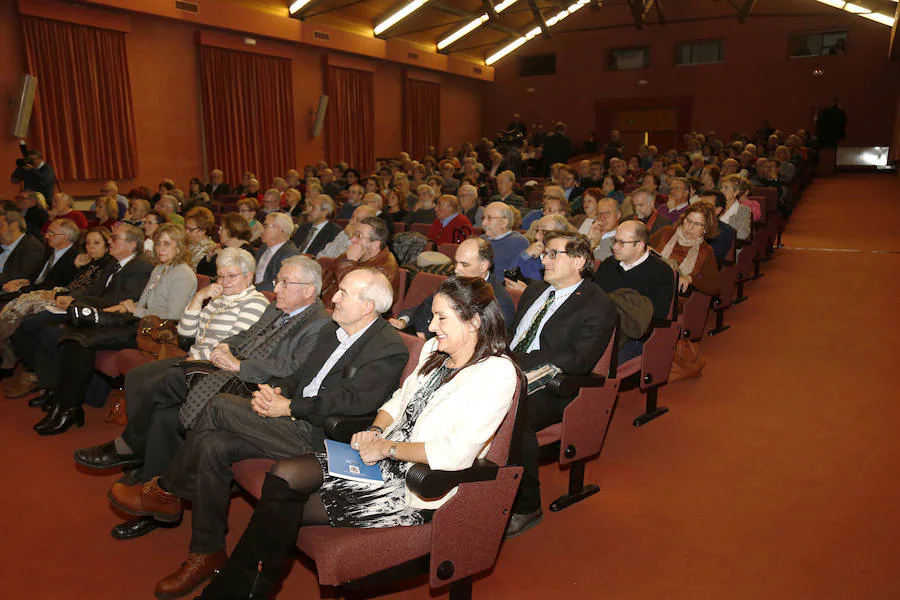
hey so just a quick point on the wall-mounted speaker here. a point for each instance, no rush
(320, 116)
(24, 104)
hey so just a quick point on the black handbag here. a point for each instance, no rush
(85, 316)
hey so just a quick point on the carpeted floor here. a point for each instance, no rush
(772, 477)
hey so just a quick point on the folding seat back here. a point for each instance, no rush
(414, 344)
(728, 276)
(399, 285)
(420, 228)
(342, 223)
(448, 250)
(423, 285)
(399, 227)
(693, 315)
(203, 281)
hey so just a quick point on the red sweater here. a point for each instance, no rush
(75, 215)
(457, 230)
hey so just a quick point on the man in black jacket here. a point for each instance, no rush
(22, 255)
(58, 268)
(354, 368)
(216, 186)
(312, 237)
(35, 174)
(565, 321)
(557, 148)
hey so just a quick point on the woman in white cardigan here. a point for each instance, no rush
(445, 415)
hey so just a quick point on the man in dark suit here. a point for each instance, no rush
(565, 321)
(23, 255)
(37, 343)
(36, 174)
(355, 366)
(273, 348)
(474, 258)
(59, 267)
(557, 148)
(314, 235)
(217, 186)
(277, 246)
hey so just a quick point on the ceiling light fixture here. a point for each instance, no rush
(399, 16)
(861, 11)
(296, 6)
(472, 25)
(554, 20)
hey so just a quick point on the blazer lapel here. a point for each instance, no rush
(531, 294)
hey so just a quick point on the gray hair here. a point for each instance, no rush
(69, 228)
(283, 220)
(468, 187)
(327, 202)
(378, 290)
(309, 269)
(237, 257)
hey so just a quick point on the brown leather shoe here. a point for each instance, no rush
(146, 500)
(21, 385)
(196, 569)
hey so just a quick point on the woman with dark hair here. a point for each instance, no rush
(685, 244)
(444, 415)
(234, 232)
(613, 186)
(199, 224)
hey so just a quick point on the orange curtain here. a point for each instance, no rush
(350, 118)
(421, 116)
(248, 113)
(83, 118)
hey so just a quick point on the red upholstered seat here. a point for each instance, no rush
(414, 344)
(106, 363)
(202, 281)
(728, 275)
(515, 296)
(131, 358)
(420, 228)
(270, 296)
(448, 250)
(693, 315)
(423, 285)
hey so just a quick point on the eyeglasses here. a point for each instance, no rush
(52, 234)
(618, 242)
(606, 213)
(121, 238)
(192, 228)
(284, 282)
(230, 277)
(270, 226)
(552, 254)
(358, 235)
(690, 223)
(544, 231)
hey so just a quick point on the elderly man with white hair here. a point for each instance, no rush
(507, 244)
(277, 246)
(354, 368)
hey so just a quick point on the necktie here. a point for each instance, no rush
(523, 345)
(307, 239)
(115, 272)
(47, 266)
(263, 264)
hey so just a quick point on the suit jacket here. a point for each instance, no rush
(288, 354)
(328, 232)
(384, 261)
(128, 283)
(41, 180)
(576, 335)
(287, 250)
(360, 382)
(60, 274)
(223, 189)
(25, 262)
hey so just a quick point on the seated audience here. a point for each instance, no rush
(397, 205)
(376, 201)
(106, 211)
(499, 221)
(354, 367)
(137, 210)
(341, 241)
(168, 206)
(684, 244)
(584, 221)
(63, 207)
(249, 209)
(505, 181)
(737, 215)
(59, 267)
(217, 186)
(354, 198)
(318, 230)
(545, 334)
(603, 230)
(450, 225)
(570, 186)
(368, 250)
(71, 352)
(474, 258)
(530, 260)
(34, 209)
(293, 202)
(469, 206)
(111, 190)
(252, 190)
(721, 243)
(22, 255)
(152, 220)
(679, 199)
(554, 203)
(276, 247)
(234, 232)
(643, 203)
(635, 266)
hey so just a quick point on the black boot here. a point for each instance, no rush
(61, 419)
(257, 564)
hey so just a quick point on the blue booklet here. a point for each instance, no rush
(345, 462)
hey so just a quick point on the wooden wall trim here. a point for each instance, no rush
(74, 13)
(236, 42)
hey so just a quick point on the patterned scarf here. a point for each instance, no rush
(687, 265)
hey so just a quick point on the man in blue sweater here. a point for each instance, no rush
(507, 244)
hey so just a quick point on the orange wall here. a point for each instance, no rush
(164, 71)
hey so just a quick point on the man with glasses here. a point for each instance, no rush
(603, 228)
(636, 266)
(22, 255)
(505, 181)
(554, 203)
(368, 250)
(507, 244)
(354, 367)
(272, 347)
(564, 320)
(277, 246)
(59, 268)
(318, 230)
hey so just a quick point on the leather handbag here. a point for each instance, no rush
(158, 337)
(687, 363)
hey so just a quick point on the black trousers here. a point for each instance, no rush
(77, 363)
(542, 410)
(228, 431)
(35, 342)
(153, 394)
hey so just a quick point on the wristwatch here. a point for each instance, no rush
(392, 452)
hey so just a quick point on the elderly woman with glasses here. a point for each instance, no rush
(685, 245)
(199, 225)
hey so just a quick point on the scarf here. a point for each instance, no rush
(687, 265)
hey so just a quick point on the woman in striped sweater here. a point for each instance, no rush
(234, 304)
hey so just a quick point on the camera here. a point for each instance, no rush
(514, 274)
(509, 139)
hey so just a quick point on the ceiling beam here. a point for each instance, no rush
(639, 10)
(659, 12)
(489, 9)
(464, 13)
(744, 11)
(545, 31)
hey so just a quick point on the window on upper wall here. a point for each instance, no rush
(536, 64)
(700, 53)
(623, 59)
(820, 43)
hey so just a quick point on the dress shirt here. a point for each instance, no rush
(345, 341)
(264, 262)
(7, 250)
(635, 263)
(445, 222)
(560, 297)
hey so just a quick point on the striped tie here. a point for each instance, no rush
(523, 345)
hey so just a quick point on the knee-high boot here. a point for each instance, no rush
(258, 562)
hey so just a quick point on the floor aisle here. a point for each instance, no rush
(772, 477)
